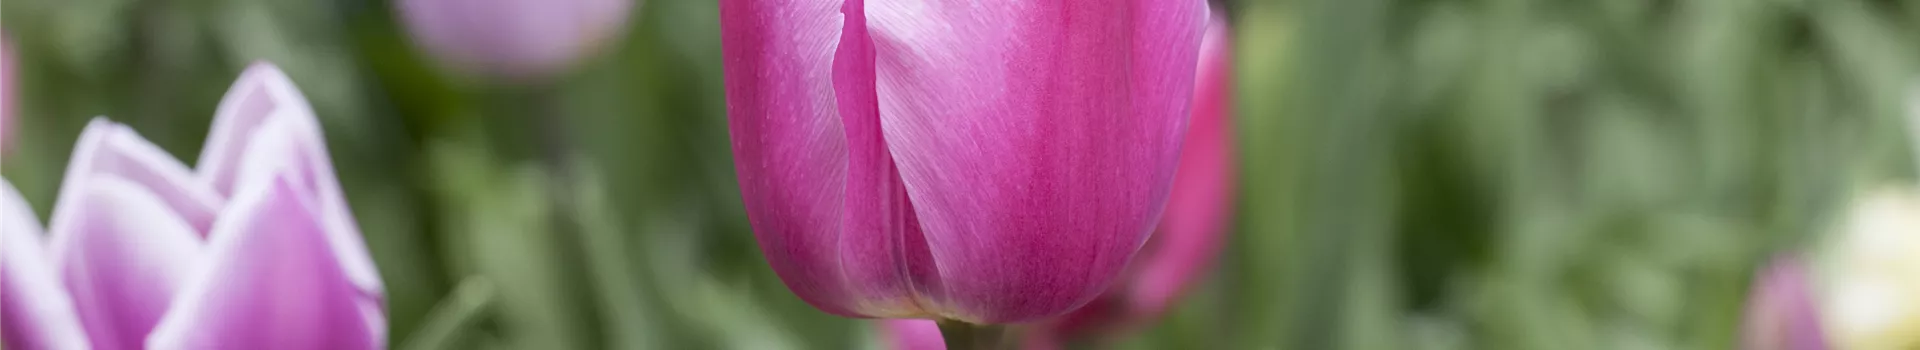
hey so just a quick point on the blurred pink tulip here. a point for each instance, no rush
(519, 39)
(988, 163)
(1189, 236)
(1781, 311)
(252, 249)
(7, 98)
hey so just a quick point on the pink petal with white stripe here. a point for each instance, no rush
(35, 311)
(271, 281)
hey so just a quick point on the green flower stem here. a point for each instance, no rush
(465, 308)
(967, 336)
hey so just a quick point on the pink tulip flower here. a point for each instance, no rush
(254, 248)
(1188, 239)
(7, 98)
(1781, 312)
(988, 162)
(517, 39)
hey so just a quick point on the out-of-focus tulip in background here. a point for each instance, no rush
(1405, 174)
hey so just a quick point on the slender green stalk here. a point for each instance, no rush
(450, 319)
(967, 336)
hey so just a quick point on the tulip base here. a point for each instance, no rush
(960, 335)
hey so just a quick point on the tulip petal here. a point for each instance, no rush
(247, 105)
(265, 127)
(1194, 227)
(35, 311)
(911, 334)
(106, 148)
(1780, 312)
(122, 252)
(126, 227)
(271, 281)
(1034, 136)
(789, 149)
(816, 177)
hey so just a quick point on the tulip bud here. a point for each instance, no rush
(946, 159)
(514, 39)
(1781, 314)
(253, 249)
(1187, 240)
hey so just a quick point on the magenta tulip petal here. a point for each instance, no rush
(1038, 150)
(883, 251)
(789, 147)
(113, 150)
(265, 128)
(122, 253)
(1195, 224)
(35, 311)
(271, 281)
(911, 334)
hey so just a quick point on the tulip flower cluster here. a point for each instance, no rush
(1187, 239)
(253, 248)
(984, 163)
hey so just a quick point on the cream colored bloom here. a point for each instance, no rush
(1872, 298)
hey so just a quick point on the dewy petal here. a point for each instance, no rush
(816, 177)
(122, 252)
(1037, 139)
(35, 311)
(1195, 224)
(265, 127)
(271, 281)
(106, 148)
(911, 334)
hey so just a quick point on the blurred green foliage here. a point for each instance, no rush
(1516, 174)
(1418, 174)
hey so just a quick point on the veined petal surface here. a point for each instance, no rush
(992, 163)
(1037, 139)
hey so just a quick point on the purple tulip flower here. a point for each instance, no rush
(517, 39)
(252, 249)
(983, 162)
(1781, 311)
(1188, 239)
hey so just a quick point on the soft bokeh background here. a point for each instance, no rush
(1417, 174)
